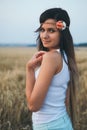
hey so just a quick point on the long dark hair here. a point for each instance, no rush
(66, 44)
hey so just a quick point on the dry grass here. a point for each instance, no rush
(81, 55)
(14, 113)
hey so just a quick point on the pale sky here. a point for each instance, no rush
(20, 18)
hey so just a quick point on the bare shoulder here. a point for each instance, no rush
(53, 57)
(52, 60)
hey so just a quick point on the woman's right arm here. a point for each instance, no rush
(30, 73)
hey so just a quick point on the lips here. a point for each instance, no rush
(45, 41)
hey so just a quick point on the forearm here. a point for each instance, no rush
(30, 81)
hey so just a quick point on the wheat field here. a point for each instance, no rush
(14, 113)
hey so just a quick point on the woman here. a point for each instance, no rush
(51, 73)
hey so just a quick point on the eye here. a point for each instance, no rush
(51, 30)
(42, 30)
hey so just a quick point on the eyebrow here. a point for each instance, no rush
(48, 28)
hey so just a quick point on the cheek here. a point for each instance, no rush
(40, 36)
(56, 37)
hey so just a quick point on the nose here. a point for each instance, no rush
(45, 35)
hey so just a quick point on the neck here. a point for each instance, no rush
(53, 49)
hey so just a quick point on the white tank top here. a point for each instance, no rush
(54, 104)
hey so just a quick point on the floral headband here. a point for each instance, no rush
(61, 25)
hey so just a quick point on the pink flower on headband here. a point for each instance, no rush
(61, 25)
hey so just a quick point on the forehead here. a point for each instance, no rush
(49, 23)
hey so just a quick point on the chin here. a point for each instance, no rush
(46, 45)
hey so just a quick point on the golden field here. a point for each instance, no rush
(14, 113)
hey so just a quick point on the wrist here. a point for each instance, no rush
(29, 69)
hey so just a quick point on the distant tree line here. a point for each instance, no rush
(34, 45)
(81, 45)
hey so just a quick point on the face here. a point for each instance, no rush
(49, 34)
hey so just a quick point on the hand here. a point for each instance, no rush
(36, 60)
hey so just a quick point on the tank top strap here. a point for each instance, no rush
(58, 50)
